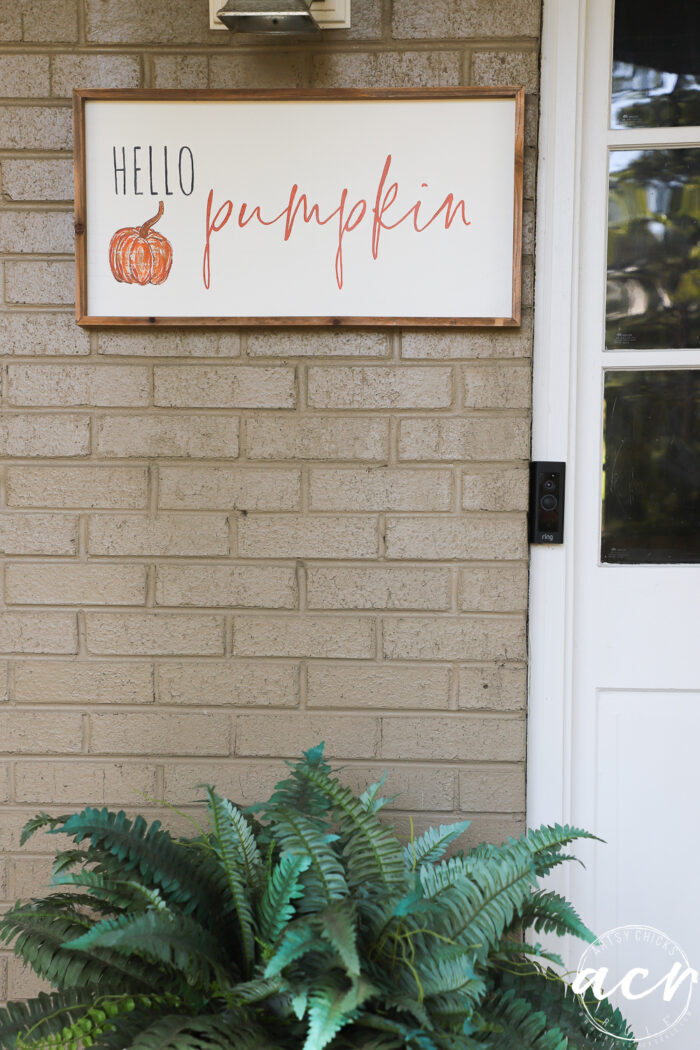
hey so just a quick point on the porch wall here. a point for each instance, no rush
(193, 593)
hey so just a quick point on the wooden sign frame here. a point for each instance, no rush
(81, 97)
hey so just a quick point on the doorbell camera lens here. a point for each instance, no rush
(549, 485)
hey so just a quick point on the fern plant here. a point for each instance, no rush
(298, 925)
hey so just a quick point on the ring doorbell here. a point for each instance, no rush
(547, 502)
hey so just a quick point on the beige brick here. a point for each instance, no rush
(37, 180)
(222, 386)
(475, 437)
(492, 68)
(492, 790)
(40, 733)
(22, 983)
(29, 584)
(493, 588)
(50, 21)
(380, 488)
(90, 487)
(228, 488)
(44, 435)
(377, 588)
(36, 231)
(288, 734)
(46, 632)
(380, 387)
(322, 437)
(82, 384)
(440, 538)
(188, 436)
(29, 335)
(235, 683)
(497, 688)
(457, 19)
(10, 23)
(416, 787)
(387, 69)
(287, 342)
(93, 682)
(236, 586)
(446, 345)
(263, 69)
(50, 283)
(172, 342)
(466, 638)
(499, 386)
(340, 637)
(169, 535)
(35, 127)
(366, 21)
(528, 233)
(340, 685)
(180, 71)
(454, 737)
(38, 533)
(296, 536)
(160, 733)
(152, 634)
(24, 76)
(32, 876)
(93, 71)
(495, 489)
(4, 681)
(81, 783)
(130, 21)
(4, 782)
(245, 783)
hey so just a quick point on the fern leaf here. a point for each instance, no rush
(548, 912)
(44, 1016)
(337, 925)
(299, 938)
(324, 880)
(371, 851)
(283, 887)
(240, 861)
(162, 938)
(514, 1023)
(370, 798)
(330, 1008)
(41, 820)
(431, 846)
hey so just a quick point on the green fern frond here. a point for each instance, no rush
(331, 1006)
(283, 887)
(370, 798)
(299, 938)
(371, 852)
(240, 861)
(548, 912)
(44, 1016)
(514, 1023)
(41, 820)
(299, 836)
(431, 846)
(162, 938)
(337, 924)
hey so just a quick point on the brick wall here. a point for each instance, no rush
(222, 547)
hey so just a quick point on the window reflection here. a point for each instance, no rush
(651, 471)
(656, 64)
(653, 291)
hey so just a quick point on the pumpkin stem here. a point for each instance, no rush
(151, 222)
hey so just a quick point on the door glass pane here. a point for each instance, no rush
(656, 64)
(653, 291)
(651, 466)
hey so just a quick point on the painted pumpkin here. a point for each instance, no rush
(141, 255)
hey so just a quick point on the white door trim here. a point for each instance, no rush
(554, 417)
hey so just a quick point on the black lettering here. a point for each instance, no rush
(137, 169)
(168, 191)
(154, 193)
(119, 168)
(188, 151)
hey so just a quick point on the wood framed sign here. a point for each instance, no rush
(391, 207)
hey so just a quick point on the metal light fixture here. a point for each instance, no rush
(281, 17)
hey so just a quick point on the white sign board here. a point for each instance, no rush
(307, 208)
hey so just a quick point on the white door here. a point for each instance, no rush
(614, 740)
